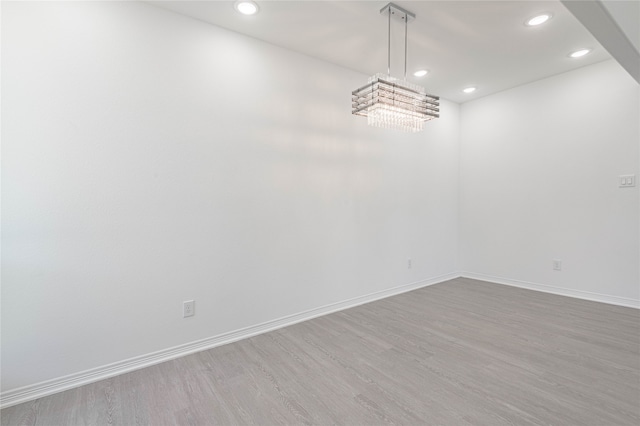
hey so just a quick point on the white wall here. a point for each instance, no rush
(539, 181)
(149, 159)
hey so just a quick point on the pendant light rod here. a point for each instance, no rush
(403, 15)
(389, 46)
(405, 46)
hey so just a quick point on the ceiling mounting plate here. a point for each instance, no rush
(397, 13)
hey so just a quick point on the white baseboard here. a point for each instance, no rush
(579, 294)
(38, 390)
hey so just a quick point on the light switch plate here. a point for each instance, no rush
(627, 181)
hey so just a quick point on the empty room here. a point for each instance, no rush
(320, 212)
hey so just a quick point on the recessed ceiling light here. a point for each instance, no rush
(246, 7)
(538, 20)
(469, 90)
(421, 73)
(579, 53)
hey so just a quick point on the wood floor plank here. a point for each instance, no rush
(464, 352)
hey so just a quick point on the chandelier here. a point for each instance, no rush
(389, 102)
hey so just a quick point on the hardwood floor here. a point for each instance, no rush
(463, 352)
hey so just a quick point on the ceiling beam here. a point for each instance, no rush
(595, 17)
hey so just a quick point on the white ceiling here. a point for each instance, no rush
(461, 43)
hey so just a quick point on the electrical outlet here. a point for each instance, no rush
(557, 265)
(188, 308)
(409, 264)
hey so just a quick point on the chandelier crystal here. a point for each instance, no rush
(389, 102)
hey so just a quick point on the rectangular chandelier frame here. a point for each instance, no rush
(393, 103)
